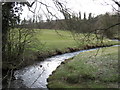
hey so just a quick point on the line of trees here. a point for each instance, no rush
(90, 24)
(77, 24)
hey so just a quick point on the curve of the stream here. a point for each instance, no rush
(35, 76)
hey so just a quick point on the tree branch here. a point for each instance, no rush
(116, 2)
(106, 28)
(30, 5)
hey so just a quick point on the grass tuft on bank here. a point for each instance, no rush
(90, 69)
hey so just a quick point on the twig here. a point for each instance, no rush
(37, 77)
(9, 83)
(5, 76)
(116, 2)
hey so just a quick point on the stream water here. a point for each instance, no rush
(35, 76)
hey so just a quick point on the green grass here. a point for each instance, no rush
(50, 40)
(88, 70)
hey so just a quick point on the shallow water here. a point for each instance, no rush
(35, 76)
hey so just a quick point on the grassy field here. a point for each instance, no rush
(88, 70)
(50, 40)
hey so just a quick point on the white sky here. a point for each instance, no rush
(95, 7)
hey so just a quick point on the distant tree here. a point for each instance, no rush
(84, 16)
(80, 15)
(90, 16)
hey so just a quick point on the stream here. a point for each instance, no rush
(36, 76)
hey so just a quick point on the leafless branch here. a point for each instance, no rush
(5, 75)
(9, 83)
(43, 4)
(116, 2)
(115, 9)
(62, 8)
(30, 5)
(106, 28)
(38, 77)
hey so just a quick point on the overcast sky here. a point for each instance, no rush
(95, 7)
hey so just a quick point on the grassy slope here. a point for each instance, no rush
(51, 41)
(84, 71)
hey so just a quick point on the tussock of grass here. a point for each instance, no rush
(88, 71)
